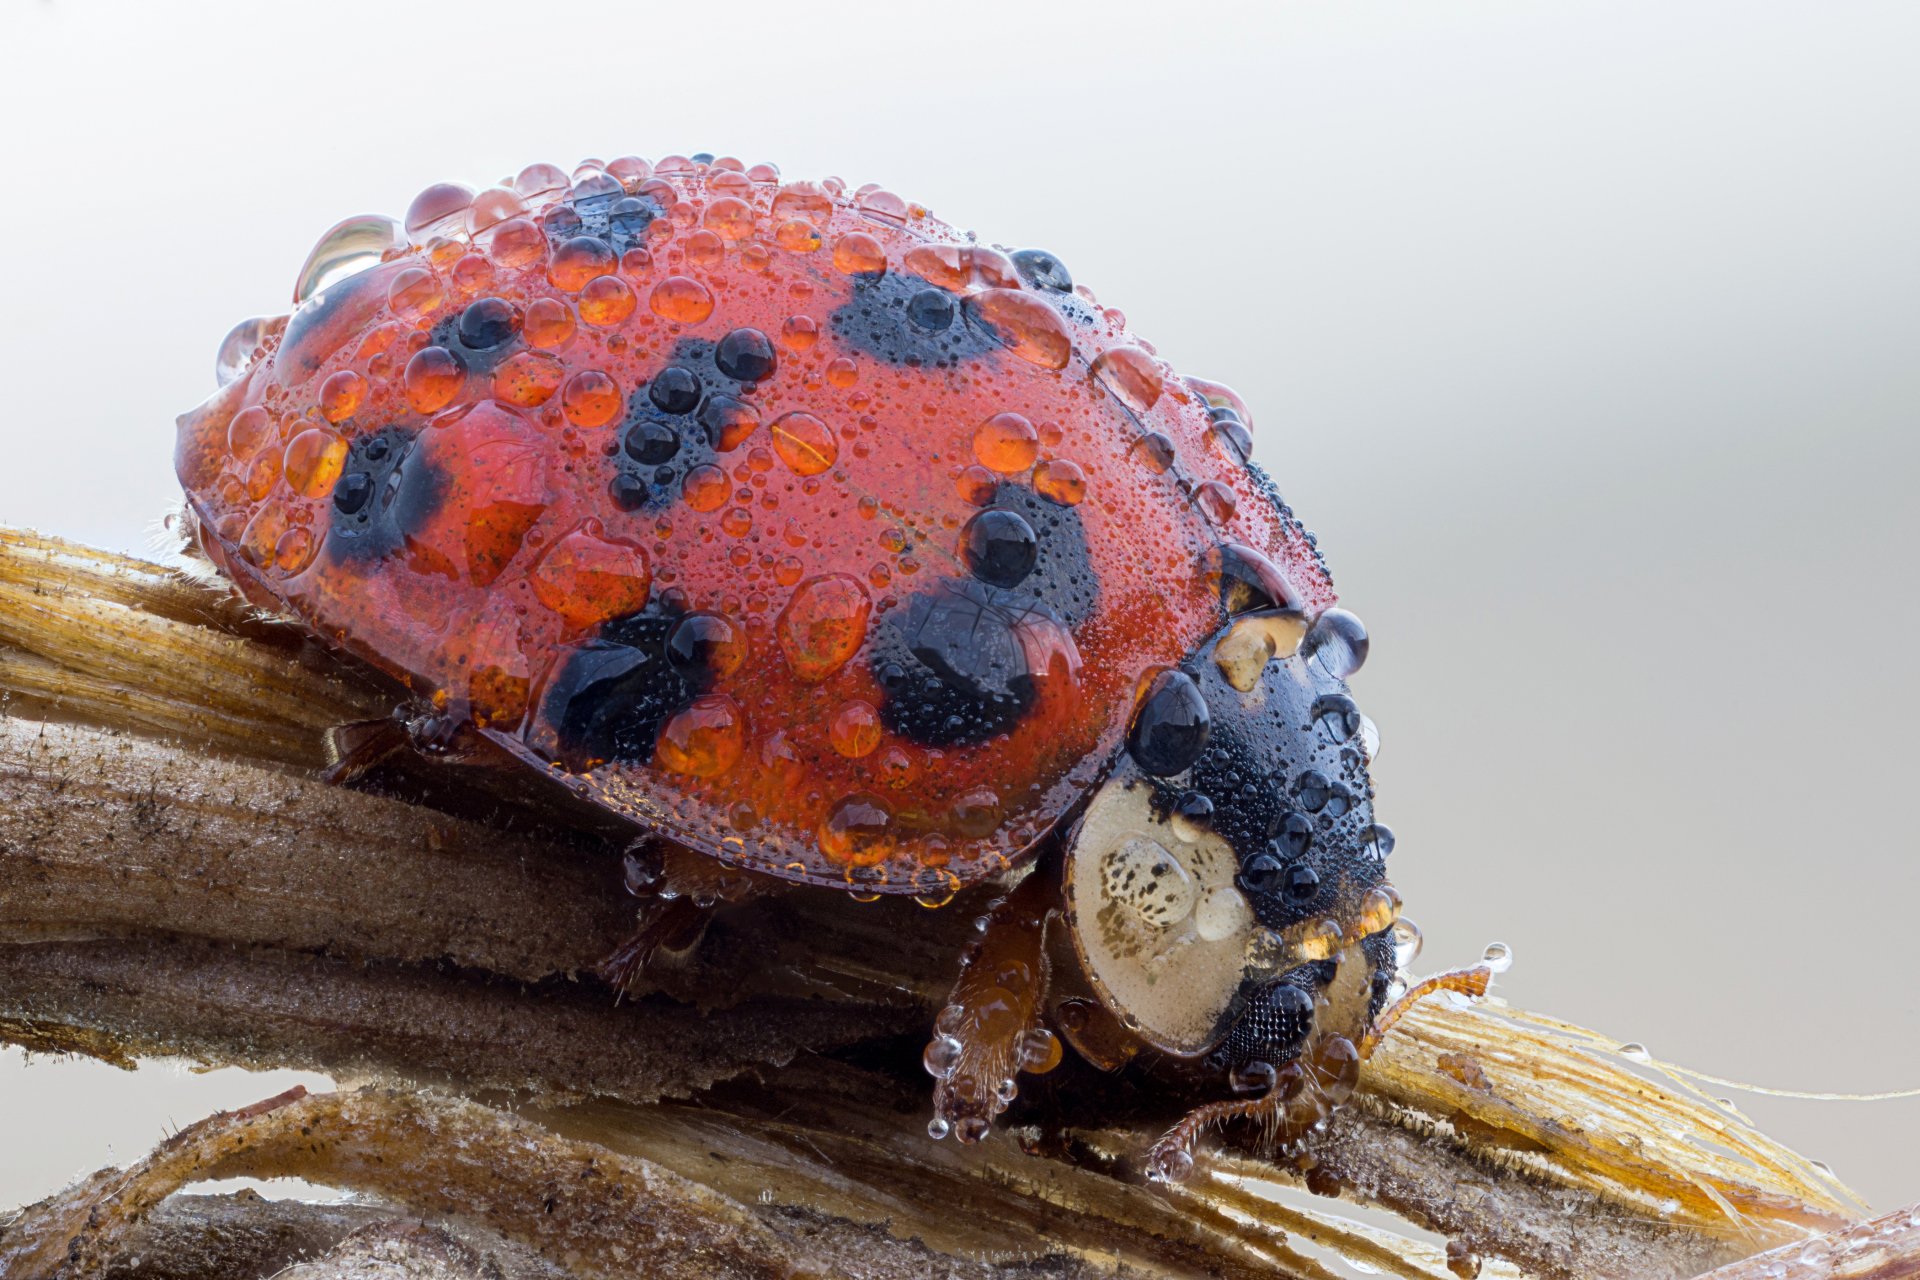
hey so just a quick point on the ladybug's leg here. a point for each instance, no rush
(681, 891)
(990, 1029)
(355, 748)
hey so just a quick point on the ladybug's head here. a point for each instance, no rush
(1227, 884)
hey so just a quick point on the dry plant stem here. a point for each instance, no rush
(202, 868)
(1882, 1248)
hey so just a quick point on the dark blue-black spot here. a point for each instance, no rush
(952, 665)
(651, 442)
(612, 694)
(876, 321)
(386, 492)
(1043, 271)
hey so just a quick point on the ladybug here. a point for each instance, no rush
(829, 546)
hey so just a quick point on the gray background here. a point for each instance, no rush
(1584, 334)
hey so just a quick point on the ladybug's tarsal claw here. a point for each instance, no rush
(990, 1030)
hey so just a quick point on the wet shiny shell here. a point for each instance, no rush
(780, 518)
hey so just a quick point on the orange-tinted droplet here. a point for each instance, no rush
(587, 577)
(977, 486)
(263, 475)
(414, 293)
(804, 443)
(807, 200)
(549, 323)
(704, 249)
(939, 264)
(579, 260)
(437, 208)
(1024, 324)
(433, 378)
(472, 274)
(606, 301)
(823, 625)
(730, 218)
(705, 488)
(1216, 501)
(1006, 443)
(800, 333)
(842, 372)
(681, 299)
(855, 730)
(796, 235)
(262, 534)
(1061, 480)
(702, 740)
(517, 243)
(492, 207)
(313, 462)
(1131, 374)
(249, 432)
(591, 399)
(859, 832)
(706, 642)
(527, 378)
(341, 395)
(1154, 451)
(858, 253)
(294, 549)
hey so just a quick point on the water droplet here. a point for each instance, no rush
(1006, 443)
(1171, 727)
(539, 180)
(941, 1056)
(1338, 643)
(641, 868)
(294, 549)
(859, 831)
(578, 261)
(341, 395)
(1024, 324)
(1216, 501)
(705, 488)
(1061, 481)
(414, 293)
(745, 355)
(804, 443)
(932, 310)
(1131, 374)
(704, 250)
(681, 299)
(855, 729)
(433, 377)
(606, 301)
(549, 323)
(971, 1129)
(999, 547)
(438, 210)
(858, 253)
(237, 349)
(1379, 908)
(730, 218)
(1042, 270)
(1498, 957)
(1006, 1091)
(1154, 451)
(1369, 738)
(492, 207)
(527, 378)
(591, 398)
(1378, 840)
(1170, 1164)
(488, 323)
(1633, 1051)
(1038, 1051)
(823, 625)
(313, 462)
(516, 243)
(348, 248)
(1407, 941)
(588, 577)
(938, 1128)
(800, 333)
(704, 739)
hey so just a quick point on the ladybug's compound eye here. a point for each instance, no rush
(1170, 730)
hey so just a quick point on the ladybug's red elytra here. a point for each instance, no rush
(830, 546)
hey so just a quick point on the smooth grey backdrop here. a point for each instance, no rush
(1583, 332)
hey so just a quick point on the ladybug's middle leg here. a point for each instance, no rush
(990, 1029)
(682, 889)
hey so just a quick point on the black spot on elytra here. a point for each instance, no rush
(387, 491)
(673, 420)
(954, 660)
(612, 694)
(880, 320)
(619, 219)
(310, 338)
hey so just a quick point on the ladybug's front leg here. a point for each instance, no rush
(680, 889)
(990, 1029)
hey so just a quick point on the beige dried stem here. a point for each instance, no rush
(175, 882)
